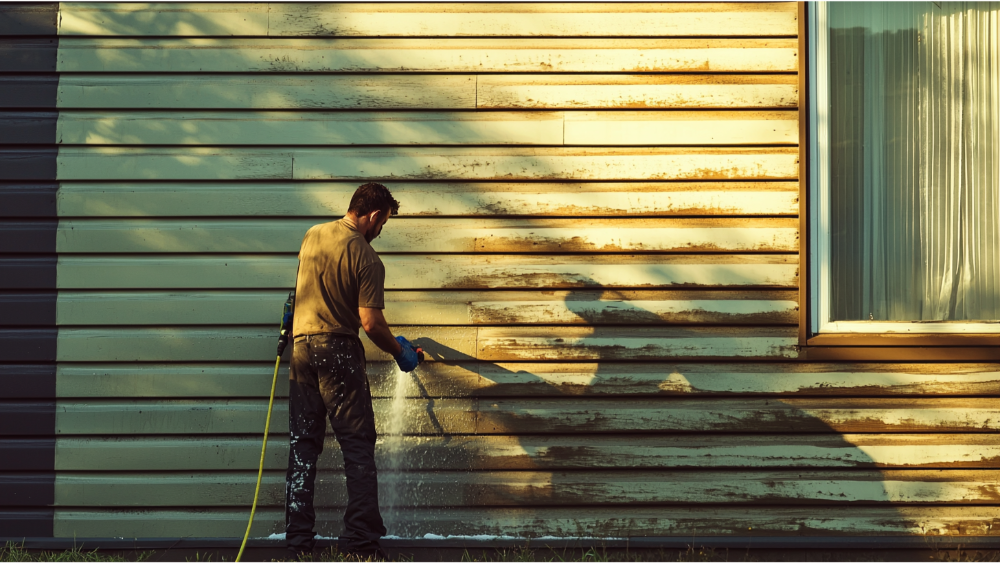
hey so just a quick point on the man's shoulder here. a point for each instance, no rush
(334, 237)
(330, 230)
(318, 229)
(328, 226)
(352, 242)
(359, 247)
(324, 238)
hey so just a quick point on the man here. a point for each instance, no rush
(339, 289)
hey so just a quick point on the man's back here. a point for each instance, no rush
(338, 272)
(339, 290)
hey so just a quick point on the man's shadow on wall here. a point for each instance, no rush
(548, 479)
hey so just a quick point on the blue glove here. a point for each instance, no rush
(408, 358)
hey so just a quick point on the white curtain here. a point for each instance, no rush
(915, 160)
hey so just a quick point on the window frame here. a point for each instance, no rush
(861, 341)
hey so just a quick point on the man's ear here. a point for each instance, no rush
(378, 216)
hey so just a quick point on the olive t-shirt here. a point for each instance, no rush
(338, 272)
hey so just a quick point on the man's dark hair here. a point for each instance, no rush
(372, 197)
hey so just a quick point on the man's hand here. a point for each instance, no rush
(378, 331)
(410, 357)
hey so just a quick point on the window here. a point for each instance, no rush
(905, 167)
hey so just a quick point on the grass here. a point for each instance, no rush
(699, 554)
(963, 555)
(16, 553)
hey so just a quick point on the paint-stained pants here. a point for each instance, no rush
(328, 379)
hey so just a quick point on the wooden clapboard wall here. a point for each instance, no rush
(598, 247)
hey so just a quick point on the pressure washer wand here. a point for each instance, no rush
(283, 333)
(286, 322)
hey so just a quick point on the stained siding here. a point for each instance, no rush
(598, 248)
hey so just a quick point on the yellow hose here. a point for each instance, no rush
(263, 450)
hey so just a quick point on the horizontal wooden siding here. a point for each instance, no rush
(597, 247)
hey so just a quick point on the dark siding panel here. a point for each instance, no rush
(28, 273)
(29, 18)
(28, 55)
(28, 381)
(28, 345)
(28, 199)
(28, 237)
(27, 489)
(28, 164)
(27, 523)
(27, 309)
(28, 454)
(35, 385)
(27, 128)
(28, 418)
(28, 91)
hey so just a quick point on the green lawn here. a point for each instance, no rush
(14, 552)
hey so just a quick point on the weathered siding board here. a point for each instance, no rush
(639, 91)
(321, 128)
(420, 236)
(607, 522)
(438, 271)
(513, 20)
(551, 415)
(196, 18)
(495, 379)
(428, 19)
(680, 128)
(607, 128)
(539, 488)
(550, 164)
(251, 343)
(607, 343)
(633, 308)
(196, 91)
(436, 199)
(483, 164)
(608, 307)
(204, 55)
(442, 308)
(520, 416)
(554, 452)
(244, 343)
(427, 91)
(237, 416)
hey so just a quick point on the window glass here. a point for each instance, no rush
(914, 137)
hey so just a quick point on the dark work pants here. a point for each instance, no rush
(328, 379)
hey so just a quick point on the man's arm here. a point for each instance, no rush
(373, 321)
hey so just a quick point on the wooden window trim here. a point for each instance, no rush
(938, 353)
(863, 347)
(923, 340)
(804, 299)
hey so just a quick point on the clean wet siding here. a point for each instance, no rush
(598, 247)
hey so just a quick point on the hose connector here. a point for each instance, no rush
(287, 320)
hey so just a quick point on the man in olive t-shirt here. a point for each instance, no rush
(339, 289)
